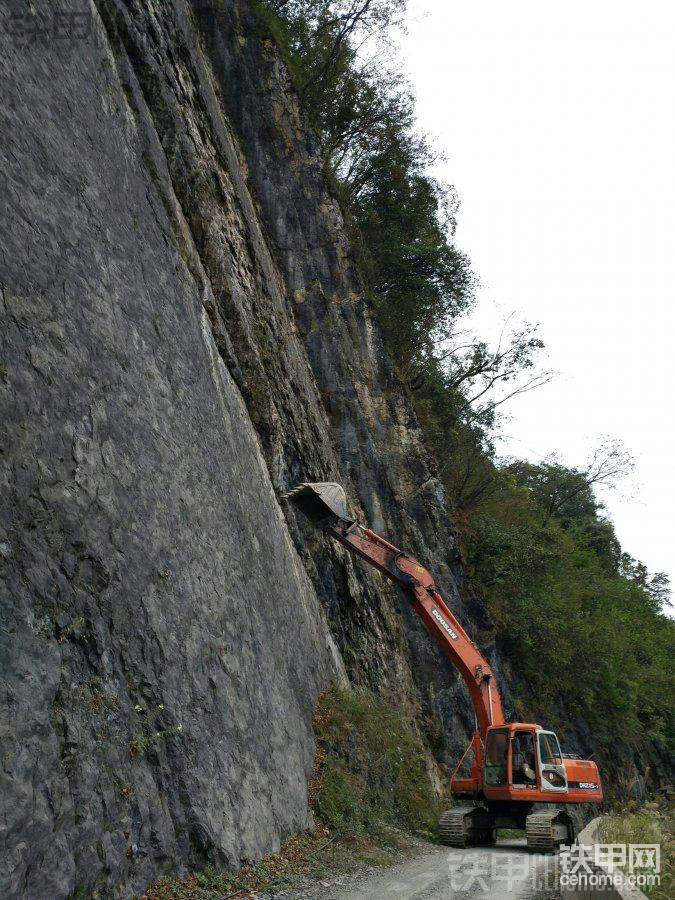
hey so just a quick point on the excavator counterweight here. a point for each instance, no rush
(515, 765)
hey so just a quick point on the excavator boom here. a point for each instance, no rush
(325, 504)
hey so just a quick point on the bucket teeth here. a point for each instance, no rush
(320, 501)
(295, 491)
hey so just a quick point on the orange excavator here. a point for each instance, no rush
(514, 766)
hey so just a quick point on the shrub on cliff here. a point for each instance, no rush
(370, 766)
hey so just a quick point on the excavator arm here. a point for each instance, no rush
(325, 505)
(503, 785)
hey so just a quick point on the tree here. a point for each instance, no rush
(657, 585)
(481, 371)
(402, 219)
(567, 493)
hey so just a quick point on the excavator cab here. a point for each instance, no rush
(515, 769)
(522, 760)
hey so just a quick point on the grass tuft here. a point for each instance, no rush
(652, 824)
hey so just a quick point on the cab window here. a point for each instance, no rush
(549, 750)
(496, 755)
(523, 760)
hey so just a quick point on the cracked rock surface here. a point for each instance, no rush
(184, 338)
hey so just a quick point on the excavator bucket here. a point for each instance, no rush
(320, 501)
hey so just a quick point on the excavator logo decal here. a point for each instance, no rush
(444, 625)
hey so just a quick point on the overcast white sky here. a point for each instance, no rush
(558, 123)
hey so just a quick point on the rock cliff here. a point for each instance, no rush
(185, 337)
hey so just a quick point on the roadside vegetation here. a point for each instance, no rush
(371, 767)
(370, 793)
(304, 858)
(562, 594)
(653, 823)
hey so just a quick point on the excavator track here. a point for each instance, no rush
(546, 831)
(453, 826)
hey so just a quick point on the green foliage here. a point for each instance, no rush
(582, 629)
(364, 117)
(421, 282)
(582, 623)
(371, 767)
(370, 781)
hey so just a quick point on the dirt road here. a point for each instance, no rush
(508, 870)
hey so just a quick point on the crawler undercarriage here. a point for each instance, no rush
(545, 829)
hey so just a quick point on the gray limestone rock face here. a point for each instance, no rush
(162, 646)
(184, 339)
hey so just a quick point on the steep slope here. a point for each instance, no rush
(162, 645)
(184, 338)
